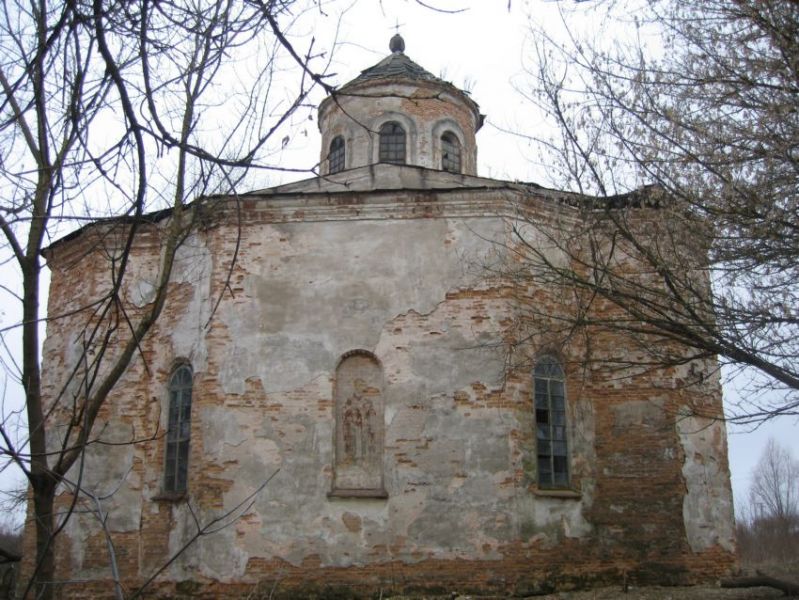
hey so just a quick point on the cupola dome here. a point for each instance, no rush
(398, 112)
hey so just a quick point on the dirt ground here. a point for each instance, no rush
(669, 593)
(645, 593)
(787, 572)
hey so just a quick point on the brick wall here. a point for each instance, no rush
(404, 276)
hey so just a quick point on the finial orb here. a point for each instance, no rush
(397, 44)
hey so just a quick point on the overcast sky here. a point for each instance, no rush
(479, 50)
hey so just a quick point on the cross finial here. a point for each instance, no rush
(397, 26)
(397, 44)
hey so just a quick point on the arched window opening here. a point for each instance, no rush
(335, 157)
(450, 153)
(550, 422)
(176, 469)
(392, 143)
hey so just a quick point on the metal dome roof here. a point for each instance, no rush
(398, 67)
(395, 66)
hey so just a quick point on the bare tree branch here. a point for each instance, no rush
(685, 132)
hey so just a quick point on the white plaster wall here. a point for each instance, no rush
(707, 505)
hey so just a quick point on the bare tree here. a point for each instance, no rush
(768, 529)
(684, 131)
(774, 491)
(104, 113)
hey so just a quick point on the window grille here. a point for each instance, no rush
(450, 153)
(336, 155)
(176, 469)
(550, 422)
(392, 143)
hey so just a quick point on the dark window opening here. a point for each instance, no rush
(392, 143)
(550, 423)
(176, 469)
(450, 153)
(336, 156)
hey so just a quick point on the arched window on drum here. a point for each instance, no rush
(450, 152)
(336, 156)
(392, 143)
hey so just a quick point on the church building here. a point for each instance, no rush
(331, 380)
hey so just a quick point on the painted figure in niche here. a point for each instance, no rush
(359, 423)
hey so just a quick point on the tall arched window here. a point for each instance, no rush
(550, 422)
(450, 153)
(176, 468)
(392, 143)
(336, 155)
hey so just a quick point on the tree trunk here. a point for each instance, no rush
(43, 501)
(762, 580)
(41, 479)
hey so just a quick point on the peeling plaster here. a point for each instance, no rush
(458, 458)
(392, 268)
(193, 265)
(707, 505)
